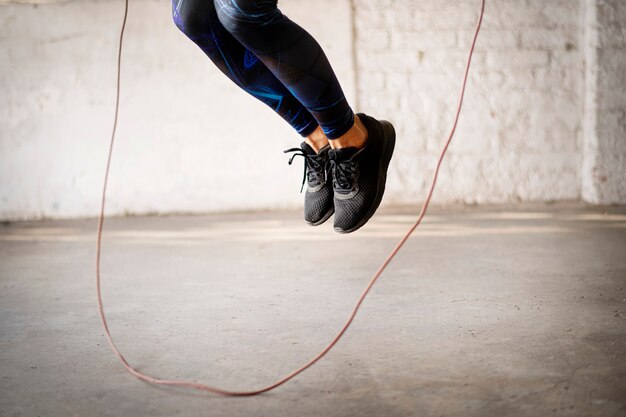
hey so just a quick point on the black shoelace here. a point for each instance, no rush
(315, 168)
(345, 174)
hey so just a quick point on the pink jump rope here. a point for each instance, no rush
(380, 270)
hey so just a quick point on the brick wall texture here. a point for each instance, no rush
(521, 134)
(544, 116)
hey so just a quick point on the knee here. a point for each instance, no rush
(240, 16)
(193, 18)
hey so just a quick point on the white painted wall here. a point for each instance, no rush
(535, 126)
(189, 140)
(519, 136)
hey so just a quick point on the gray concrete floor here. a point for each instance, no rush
(491, 311)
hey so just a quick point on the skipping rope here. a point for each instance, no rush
(281, 381)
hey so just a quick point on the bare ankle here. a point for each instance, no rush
(317, 140)
(353, 138)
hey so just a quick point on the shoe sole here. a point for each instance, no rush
(323, 219)
(389, 144)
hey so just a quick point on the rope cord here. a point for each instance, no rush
(281, 381)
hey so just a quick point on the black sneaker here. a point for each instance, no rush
(359, 175)
(318, 199)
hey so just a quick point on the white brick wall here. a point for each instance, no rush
(189, 139)
(519, 136)
(544, 116)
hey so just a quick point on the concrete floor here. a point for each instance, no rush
(493, 311)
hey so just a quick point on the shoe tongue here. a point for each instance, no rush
(342, 154)
(307, 149)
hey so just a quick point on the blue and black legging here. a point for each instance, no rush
(271, 58)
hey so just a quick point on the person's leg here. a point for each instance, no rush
(295, 58)
(198, 20)
(362, 146)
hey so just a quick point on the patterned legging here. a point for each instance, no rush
(271, 58)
